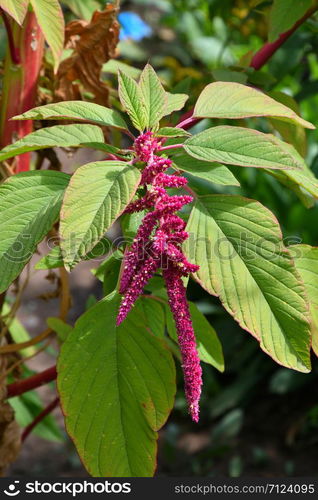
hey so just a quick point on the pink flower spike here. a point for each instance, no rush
(145, 146)
(190, 359)
(137, 285)
(171, 204)
(170, 180)
(143, 203)
(135, 256)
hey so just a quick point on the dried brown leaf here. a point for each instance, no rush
(9, 437)
(10, 440)
(93, 44)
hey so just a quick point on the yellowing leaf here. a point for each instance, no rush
(234, 100)
(244, 147)
(15, 8)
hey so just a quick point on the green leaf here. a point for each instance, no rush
(172, 132)
(284, 14)
(15, 8)
(154, 96)
(113, 66)
(76, 110)
(50, 17)
(124, 154)
(291, 132)
(29, 205)
(54, 258)
(27, 407)
(244, 147)
(234, 100)
(218, 174)
(175, 102)
(306, 261)
(59, 326)
(97, 195)
(63, 136)
(153, 315)
(132, 100)
(238, 244)
(130, 224)
(99, 271)
(208, 344)
(303, 183)
(108, 271)
(120, 393)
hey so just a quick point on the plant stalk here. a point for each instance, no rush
(21, 72)
(30, 383)
(265, 53)
(41, 416)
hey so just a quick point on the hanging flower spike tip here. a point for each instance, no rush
(157, 245)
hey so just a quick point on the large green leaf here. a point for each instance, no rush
(306, 261)
(238, 244)
(234, 100)
(284, 14)
(29, 205)
(75, 110)
(63, 136)
(15, 8)
(208, 344)
(132, 100)
(216, 173)
(154, 96)
(119, 394)
(97, 195)
(50, 17)
(244, 147)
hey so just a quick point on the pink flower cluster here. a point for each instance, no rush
(157, 245)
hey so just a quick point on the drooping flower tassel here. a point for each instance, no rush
(190, 360)
(156, 245)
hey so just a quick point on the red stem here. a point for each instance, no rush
(187, 121)
(41, 416)
(19, 85)
(14, 51)
(265, 53)
(22, 386)
(172, 146)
